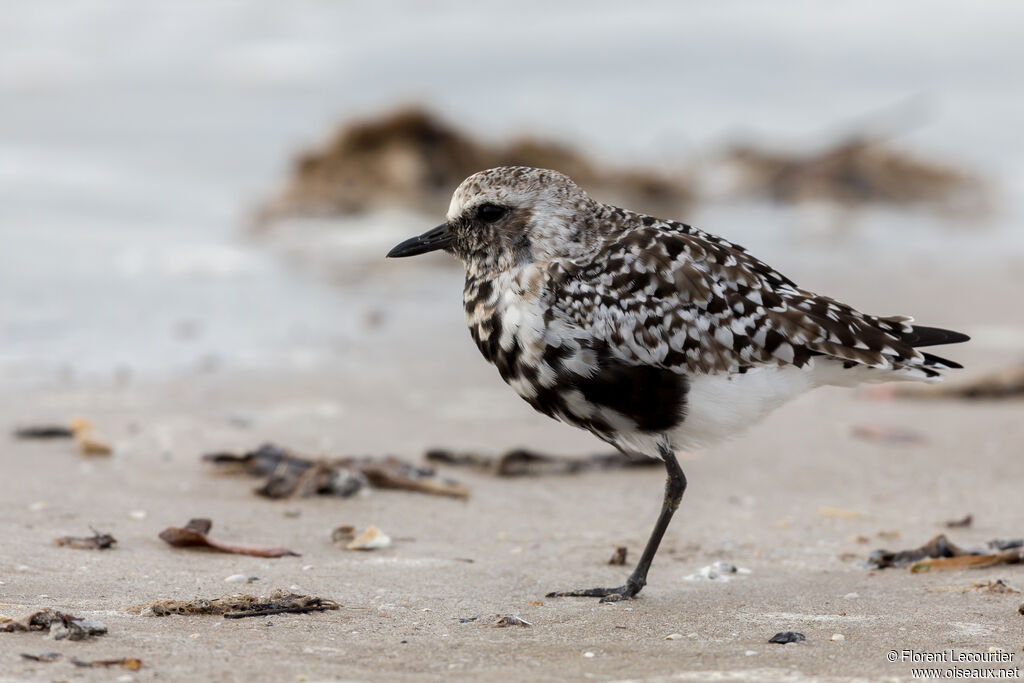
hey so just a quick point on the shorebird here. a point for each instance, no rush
(651, 334)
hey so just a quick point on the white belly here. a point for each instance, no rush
(720, 407)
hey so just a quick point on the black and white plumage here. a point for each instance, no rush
(650, 333)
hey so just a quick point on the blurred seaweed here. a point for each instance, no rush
(412, 158)
(857, 170)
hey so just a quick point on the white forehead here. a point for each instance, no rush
(510, 186)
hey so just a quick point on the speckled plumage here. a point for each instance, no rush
(649, 333)
(605, 318)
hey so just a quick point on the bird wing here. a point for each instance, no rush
(669, 295)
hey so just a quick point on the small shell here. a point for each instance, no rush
(511, 620)
(371, 539)
(241, 578)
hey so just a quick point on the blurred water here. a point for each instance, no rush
(135, 136)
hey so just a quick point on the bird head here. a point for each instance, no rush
(507, 217)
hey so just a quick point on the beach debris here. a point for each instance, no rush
(79, 429)
(411, 158)
(1007, 383)
(130, 663)
(970, 561)
(371, 539)
(893, 434)
(997, 587)
(504, 620)
(194, 535)
(241, 578)
(90, 444)
(838, 513)
(343, 534)
(718, 571)
(522, 462)
(786, 637)
(238, 605)
(674, 636)
(1000, 544)
(855, 171)
(97, 541)
(939, 546)
(392, 473)
(59, 624)
(618, 558)
(962, 523)
(467, 620)
(837, 637)
(940, 553)
(290, 475)
(48, 656)
(45, 431)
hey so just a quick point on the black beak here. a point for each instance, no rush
(432, 240)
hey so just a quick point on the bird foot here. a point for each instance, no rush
(606, 594)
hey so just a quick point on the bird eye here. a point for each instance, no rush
(490, 213)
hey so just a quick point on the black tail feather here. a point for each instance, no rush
(938, 361)
(932, 336)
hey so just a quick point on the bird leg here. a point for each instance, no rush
(675, 485)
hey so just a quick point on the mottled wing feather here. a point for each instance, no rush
(667, 294)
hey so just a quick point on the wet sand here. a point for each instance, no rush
(411, 384)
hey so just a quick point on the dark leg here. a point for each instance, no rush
(675, 485)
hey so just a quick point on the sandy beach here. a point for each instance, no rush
(756, 502)
(136, 291)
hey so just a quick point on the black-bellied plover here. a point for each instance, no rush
(650, 333)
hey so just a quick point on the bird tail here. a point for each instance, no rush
(919, 336)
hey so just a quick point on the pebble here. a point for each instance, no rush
(750, 653)
(787, 637)
(137, 514)
(241, 578)
(851, 596)
(718, 571)
(674, 636)
(836, 637)
(588, 655)
(38, 506)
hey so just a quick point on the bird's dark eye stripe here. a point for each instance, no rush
(490, 213)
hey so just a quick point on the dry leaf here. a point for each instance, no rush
(193, 535)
